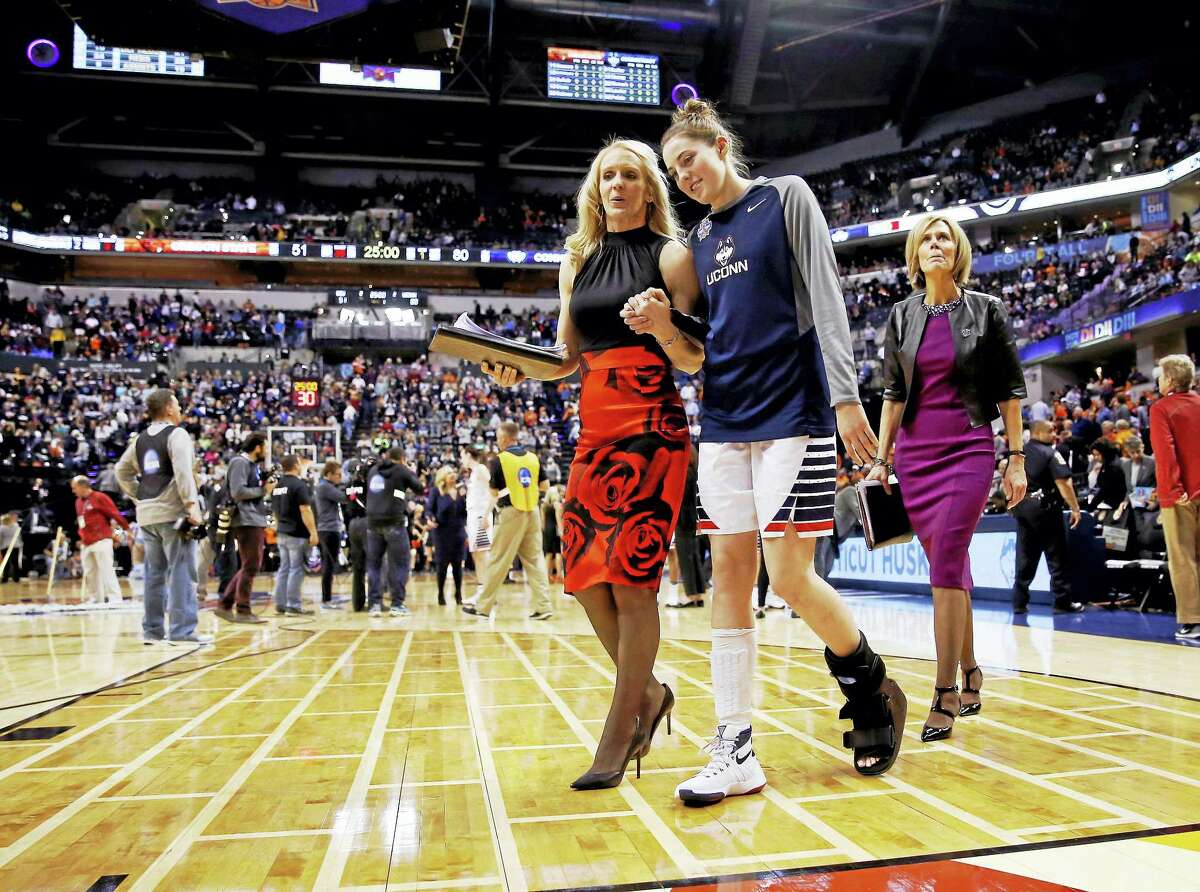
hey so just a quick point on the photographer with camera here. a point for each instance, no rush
(245, 489)
(156, 472)
(296, 532)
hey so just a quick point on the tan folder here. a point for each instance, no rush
(468, 341)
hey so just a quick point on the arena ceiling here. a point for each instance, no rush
(796, 74)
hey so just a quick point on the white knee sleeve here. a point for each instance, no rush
(734, 653)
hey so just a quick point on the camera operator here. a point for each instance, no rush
(387, 531)
(245, 488)
(156, 472)
(296, 532)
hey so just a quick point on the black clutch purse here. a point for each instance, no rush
(884, 520)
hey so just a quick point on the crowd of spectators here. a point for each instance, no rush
(1059, 146)
(1048, 150)
(427, 211)
(145, 329)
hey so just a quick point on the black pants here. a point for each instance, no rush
(331, 547)
(1042, 531)
(691, 567)
(358, 562)
(449, 559)
(393, 542)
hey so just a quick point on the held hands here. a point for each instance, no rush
(504, 375)
(856, 432)
(1015, 484)
(313, 540)
(649, 312)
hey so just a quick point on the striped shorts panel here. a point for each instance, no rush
(765, 486)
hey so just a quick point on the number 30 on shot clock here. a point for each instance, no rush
(306, 394)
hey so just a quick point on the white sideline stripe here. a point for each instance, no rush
(593, 816)
(222, 736)
(1097, 734)
(1078, 825)
(775, 856)
(830, 797)
(314, 758)
(1085, 772)
(429, 728)
(508, 856)
(538, 746)
(148, 797)
(405, 785)
(265, 834)
(333, 865)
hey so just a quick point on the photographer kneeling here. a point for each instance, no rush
(156, 472)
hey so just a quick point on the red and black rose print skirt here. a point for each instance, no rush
(628, 475)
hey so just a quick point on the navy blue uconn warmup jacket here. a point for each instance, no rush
(778, 355)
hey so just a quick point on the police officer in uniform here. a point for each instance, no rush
(387, 529)
(1039, 521)
(518, 481)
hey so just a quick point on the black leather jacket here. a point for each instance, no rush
(987, 369)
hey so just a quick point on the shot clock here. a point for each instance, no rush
(306, 394)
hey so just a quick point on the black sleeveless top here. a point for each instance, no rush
(625, 264)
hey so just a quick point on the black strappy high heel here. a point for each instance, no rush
(929, 733)
(971, 708)
(664, 711)
(602, 780)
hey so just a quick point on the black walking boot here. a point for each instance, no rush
(874, 703)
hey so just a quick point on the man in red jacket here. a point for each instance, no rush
(1175, 433)
(97, 513)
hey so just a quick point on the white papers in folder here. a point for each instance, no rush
(465, 323)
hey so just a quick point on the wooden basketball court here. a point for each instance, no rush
(435, 752)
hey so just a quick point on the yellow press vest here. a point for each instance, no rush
(520, 479)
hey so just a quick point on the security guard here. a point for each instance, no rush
(518, 532)
(387, 530)
(1039, 521)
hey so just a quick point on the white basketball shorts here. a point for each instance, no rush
(479, 533)
(764, 486)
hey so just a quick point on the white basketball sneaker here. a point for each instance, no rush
(733, 770)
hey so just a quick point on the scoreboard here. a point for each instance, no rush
(91, 56)
(602, 76)
(377, 297)
(306, 394)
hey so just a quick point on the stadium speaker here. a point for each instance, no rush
(433, 40)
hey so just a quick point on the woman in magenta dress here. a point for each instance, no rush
(950, 369)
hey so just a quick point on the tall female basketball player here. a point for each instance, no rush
(628, 475)
(779, 379)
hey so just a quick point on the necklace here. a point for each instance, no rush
(941, 309)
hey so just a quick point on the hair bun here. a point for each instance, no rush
(693, 111)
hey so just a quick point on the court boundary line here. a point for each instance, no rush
(505, 849)
(337, 853)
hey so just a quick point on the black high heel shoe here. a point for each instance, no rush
(663, 711)
(603, 780)
(971, 708)
(929, 733)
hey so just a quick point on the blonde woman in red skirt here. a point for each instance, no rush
(626, 279)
